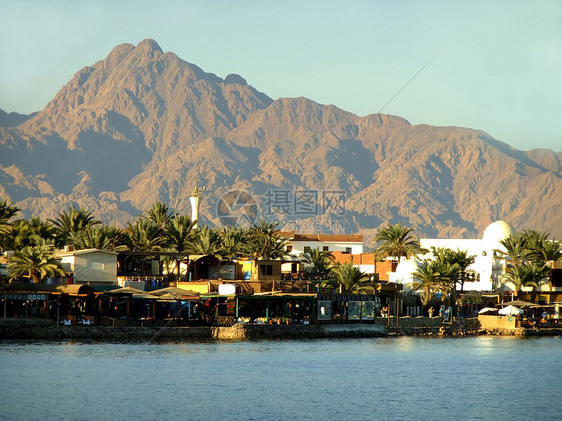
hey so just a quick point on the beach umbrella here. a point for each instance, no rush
(518, 303)
(167, 297)
(176, 292)
(487, 310)
(126, 290)
(510, 311)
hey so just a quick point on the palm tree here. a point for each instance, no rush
(318, 263)
(349, 278)
(99, 237)
(207, 242)
(516, 248)
(454, 264)
(552, 250)
(71, 222)
(21, 235)
(528, 274)
(179, 233)
(432, 279)
(144, 235)
(7, 212)
(233, 241)
(397, 242)
(35, 263)
(43, 229)
(160, 214)
(264, 243)
(534, 244)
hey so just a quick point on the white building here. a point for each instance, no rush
(90, 266)
(303, 243)
(489, 265)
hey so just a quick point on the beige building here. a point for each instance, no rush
(90, 266)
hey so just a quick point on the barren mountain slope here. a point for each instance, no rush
(143, 125)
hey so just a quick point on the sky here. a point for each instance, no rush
(492, 65)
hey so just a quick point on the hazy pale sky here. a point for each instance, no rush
(494, 65)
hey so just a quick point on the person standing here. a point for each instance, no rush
(430, 311)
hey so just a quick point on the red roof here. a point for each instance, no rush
(334, 238)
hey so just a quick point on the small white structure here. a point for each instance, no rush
(90, 266)
(489, 265)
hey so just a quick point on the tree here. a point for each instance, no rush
(99, 237)
(264, 243)
(207, 242)
(159, 214)
(44, 229)
(433, 277)
(515, 248)
(179, 233)
(454, 264)
(534, 244)
(552, 251)
(70, 222)
(528, 274)
(144, 235)
(21, 235)
(349, 278)
(35, 263)
(233, 242)
(7, 212)
(317, 263)
(397, 242)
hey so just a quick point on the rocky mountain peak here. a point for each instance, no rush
(143, 125)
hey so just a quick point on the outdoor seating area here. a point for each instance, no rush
(519, 314)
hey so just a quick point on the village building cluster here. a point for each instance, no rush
(133, 288)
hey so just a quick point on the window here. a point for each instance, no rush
(307, 249)
(289, 249)
(266, 270)
(556, 278)
(326, 248)
(347, 250)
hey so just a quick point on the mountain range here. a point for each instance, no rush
(142, 126)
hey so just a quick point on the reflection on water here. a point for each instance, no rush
(385, 378)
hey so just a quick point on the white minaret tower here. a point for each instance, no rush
(194, 199)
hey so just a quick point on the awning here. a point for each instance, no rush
(518, 303)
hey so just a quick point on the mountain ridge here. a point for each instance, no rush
(143, 125)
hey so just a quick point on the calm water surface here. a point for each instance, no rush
(365, 379)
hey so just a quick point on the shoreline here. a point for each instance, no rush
(47, 330)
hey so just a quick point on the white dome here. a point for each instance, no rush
(404, 271)
(497, 231)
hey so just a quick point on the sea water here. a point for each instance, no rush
(476, 378)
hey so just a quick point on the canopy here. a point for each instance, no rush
(126, 290)
(518, 303)
(175, 292)
(510, 311)
(166, 297)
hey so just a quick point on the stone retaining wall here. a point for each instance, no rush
(19, 329)
(407, 326)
